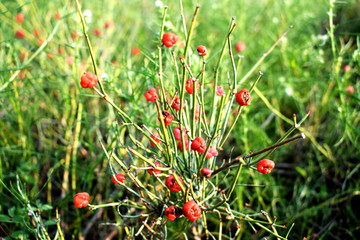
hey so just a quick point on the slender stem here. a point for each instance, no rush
(239, 159)
(89, 45)
(264, 56)
(223, 140)
(163, 97)
(217, 69)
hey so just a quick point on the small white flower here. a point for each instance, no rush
(288, 91)
(87, 15)
(104, 76)
(159, 4)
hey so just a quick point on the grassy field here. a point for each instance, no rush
(51, 129)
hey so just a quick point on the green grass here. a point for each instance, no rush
(50, 128)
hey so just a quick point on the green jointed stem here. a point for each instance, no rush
(238, 114)
(163, 97)
(89, 46)
(182, 93)
(217, 69)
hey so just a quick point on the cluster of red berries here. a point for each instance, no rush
(151, 95)
(190, 210)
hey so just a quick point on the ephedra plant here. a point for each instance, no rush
(173, 182)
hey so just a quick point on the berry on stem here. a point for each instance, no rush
(135, 51)
(206, 172)
(88, 80)
(265, 166)
(177, 133)
(154, 171)
(36, 32)
(191, 210)
(220, 91)
(19, 34)
(176, 103)
(172, 185)
(172, 213)
(20, 17)
(168, 118)
(201, 50)
(243, 97)
(81, 199)
(169, 39)
(186, 145)
(155, 136)
(190, 86)
(120, 177)
(198, 145)
(212, 152)
(151, 95)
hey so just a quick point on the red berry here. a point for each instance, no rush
(346, 68)
(168, 118)
(57, 15)
(220, 91)
(190, 85)
(198, 145)
(40, 41)
(20, 34)
(240, 46)
(21, 75)
(172, 185)
(120, 177)
(96, 32)
(69, 60)
(154, 171)
(197, 110)
(243, 97)
(135, 51)
(265, 166)
(176, 103)
(169, 39)
(177, 133)
(206, 172)
(60, 50)
(88, 80)
(74, 35)
(186, 145)
(151, 95)
(350, 89)
(191, 210)
(201, 50)
(155, 136)
(36, 32)
(81, 199)
(20, 17)
(108, 24)
(170, 212)
(49, 55)
(212, 152)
